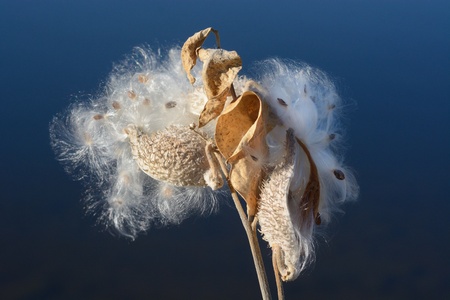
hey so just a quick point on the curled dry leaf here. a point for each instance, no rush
(189, 50)
(240, 137)
(220, 68)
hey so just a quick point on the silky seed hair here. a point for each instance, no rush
(147, 91)
(305, 99)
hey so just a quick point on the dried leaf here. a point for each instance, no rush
(189, 50)
(240, 137)
(235, 121)
(246, 179)
(220, 68)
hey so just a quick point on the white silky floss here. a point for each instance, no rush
(148, 91)
(304, 99)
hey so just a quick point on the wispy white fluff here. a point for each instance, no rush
(79, 142)
(312, 110)
(304, 99)
(150, 91)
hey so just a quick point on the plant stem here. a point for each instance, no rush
(275, 262)
(251, 236)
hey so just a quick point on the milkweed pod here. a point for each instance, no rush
(176, 155)
(277, 216)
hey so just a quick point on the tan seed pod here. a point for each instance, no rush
(176, 155)
(274, 217)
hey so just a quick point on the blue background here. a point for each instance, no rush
(390, 61)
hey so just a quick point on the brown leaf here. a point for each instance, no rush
(246, 179)
(240, 137)
(235, 121)
(189, 50)
(220, 68)
(211, 110)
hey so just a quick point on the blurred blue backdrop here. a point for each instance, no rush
(389, 59)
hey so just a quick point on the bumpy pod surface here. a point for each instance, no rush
(275, 215)
(176, 154)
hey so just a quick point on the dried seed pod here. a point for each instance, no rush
(176, 155)
(274, 216)
(241, 138)
(220, 68)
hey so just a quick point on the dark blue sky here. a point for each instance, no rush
(390, 61)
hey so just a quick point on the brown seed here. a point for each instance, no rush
(98, 117)
(132, 95)
(317, 219)
(332, 136)
(146, 102)
(339, 174)
(143, 78)
(331, 106)
(282, 102)
(116, 105)
(171, 104)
